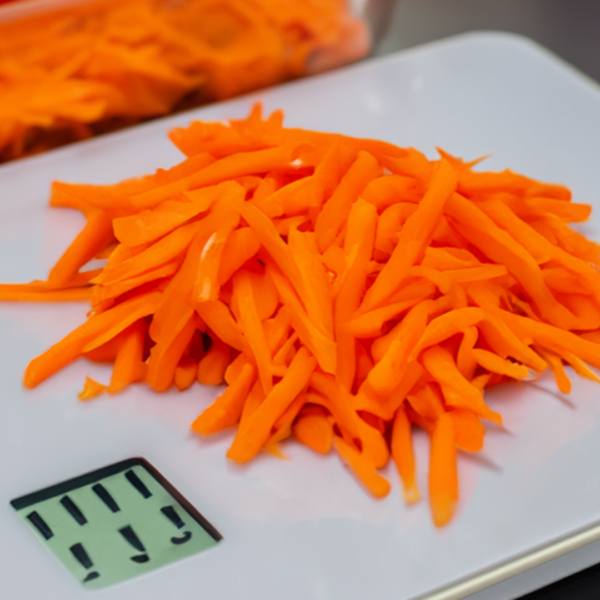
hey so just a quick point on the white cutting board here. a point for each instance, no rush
(303, 529)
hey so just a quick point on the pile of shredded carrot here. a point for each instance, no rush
(346, 290)
(97, 66)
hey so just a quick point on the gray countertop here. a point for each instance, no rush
(569, 28)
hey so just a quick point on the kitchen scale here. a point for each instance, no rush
(118, 496)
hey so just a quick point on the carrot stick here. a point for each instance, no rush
(91, 389)
(413, 238)
(226, 410)
(129, 365)
(212, 366)
(363, 469)
(314, 431)
(443, 477)
(403, 454)
(93, 333)
(249, 439)
(185, 373)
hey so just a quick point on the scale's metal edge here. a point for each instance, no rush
(515, 566)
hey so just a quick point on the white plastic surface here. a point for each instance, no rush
(303, 529)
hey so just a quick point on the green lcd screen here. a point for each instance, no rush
(115, 523)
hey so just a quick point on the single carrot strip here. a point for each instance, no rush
(226, 410)
(277, 330)
(361, 466)
(249, 440)
(323, 348)
(241, 245)
(206, 286)
(554, 338)
(96, 233)
(562, 380)
(79, 280)
(494, 363)
(155, 256)
(218, 317)
(283, 426)
(443, 475)
(230, 167)
(129, 366)
(150, 225)
(387, 190)
(102, 293)
(91, 389)
(236, 366)
(426, 402)
(212, 366)
(68, 295)
(317, 295)
(185, 373)
(580, 367)
(388, 372)
(465, 361)
(364, 364)
(413, 238)
(447, 325)
(93, 333)
(359, 248)
(468, 429)
(166, 354)
(457, 390)
(390, 223)
(314, 431)
(251, 324)
(336, 210)
(404, 457)
(256, 397)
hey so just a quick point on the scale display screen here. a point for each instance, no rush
(116, 522)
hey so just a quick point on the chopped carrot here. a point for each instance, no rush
(342, 305)
(91, 389)
(443, 478)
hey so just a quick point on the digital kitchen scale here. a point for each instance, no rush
(75, 513)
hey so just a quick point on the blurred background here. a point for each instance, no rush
(570, 28)
(73, 69)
